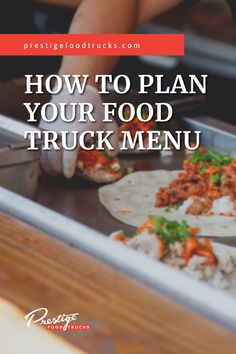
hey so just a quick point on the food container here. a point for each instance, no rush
(19, 167)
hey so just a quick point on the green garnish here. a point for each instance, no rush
(202, 169)
(210, 156)
(106, 154)
(170, 231)
(216, 179)
(182, 266)
(232, 259)
(169, 208)
(129, 170)
(173, 206)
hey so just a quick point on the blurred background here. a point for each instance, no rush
(210, 30)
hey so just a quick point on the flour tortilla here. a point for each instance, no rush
(97, 175)
(132, 199)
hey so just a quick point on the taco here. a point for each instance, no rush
(135, 126)
(175, 243)
(206, 186)
(98, 166)
(207, 183)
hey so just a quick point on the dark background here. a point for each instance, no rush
(34, 18)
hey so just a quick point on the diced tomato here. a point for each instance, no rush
(136, 125)
(194, 247)
(211, 170)
(120, 237)
(91, 158)
(193, 231)
(162, 248)
(233, 166)
(148, 225)
(202, 150)
(191, 247)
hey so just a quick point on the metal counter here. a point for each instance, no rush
(78, 198)
(70, 211)
(19, 167)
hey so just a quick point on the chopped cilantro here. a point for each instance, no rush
(173, 206)
(223, 179)
(129, 170)
(169, 208)
(182, 266)
(211, 156)
(216, 179)
(202, 169)
(232, 260)
(170, 231)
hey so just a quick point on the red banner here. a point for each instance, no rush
(91, 44)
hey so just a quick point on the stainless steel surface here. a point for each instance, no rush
(78, 198)
(216, 134)
(198, 296)
(70, 211)
(19, 167)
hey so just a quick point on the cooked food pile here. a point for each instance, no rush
(136, 125)
(98, 166)
(175, 244)
(137, 135)
(206, 186)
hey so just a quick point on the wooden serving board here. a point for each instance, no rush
(126, 316)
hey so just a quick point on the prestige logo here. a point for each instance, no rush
(60, 322)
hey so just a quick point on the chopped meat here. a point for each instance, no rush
(207, 176)
(197, 207)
